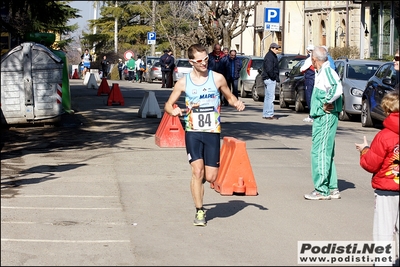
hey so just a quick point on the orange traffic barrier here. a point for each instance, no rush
(170, 132)
(75, 75)
(235, 174)
(115, 96)
(103, 87)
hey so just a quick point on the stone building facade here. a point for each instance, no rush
(370, 26)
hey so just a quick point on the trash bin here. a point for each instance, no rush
(31, 85)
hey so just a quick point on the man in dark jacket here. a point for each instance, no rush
(105, 64)
(270, 76)
(309, 76)
(166, 62)
(217, 61)
(233, 73)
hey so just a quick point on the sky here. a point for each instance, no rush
(86, 11)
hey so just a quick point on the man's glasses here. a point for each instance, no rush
(200, 60)
(397, 58)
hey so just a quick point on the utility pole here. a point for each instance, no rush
(153, 46)
(116, 32)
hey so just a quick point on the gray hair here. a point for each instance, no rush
(320, 54)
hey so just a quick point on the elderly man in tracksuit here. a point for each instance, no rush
(326, 103)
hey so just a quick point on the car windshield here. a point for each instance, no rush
(184, 63)
(256, 64)
(288, 62)
(361, 71)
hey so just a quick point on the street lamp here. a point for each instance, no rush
(366, 30)
(342, 35)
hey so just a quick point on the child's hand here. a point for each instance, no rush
(360, 147)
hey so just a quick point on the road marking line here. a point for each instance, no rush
(64, 241)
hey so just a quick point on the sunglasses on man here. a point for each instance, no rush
(200, 60)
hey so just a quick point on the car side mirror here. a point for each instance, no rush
(388, 81)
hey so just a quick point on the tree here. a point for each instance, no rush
(24, 17)
(177, 24)
(132, 27)
(224, 20)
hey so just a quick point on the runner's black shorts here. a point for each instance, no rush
(203, 145)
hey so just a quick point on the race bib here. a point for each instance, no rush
(203, 118)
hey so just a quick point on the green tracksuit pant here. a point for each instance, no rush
(323, 168)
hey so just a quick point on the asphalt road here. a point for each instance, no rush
(98, 191)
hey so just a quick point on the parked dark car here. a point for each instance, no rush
(354, 75)
(382, 82)
(286, 63)
(292, 89)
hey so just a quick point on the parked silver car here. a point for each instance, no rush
(248, 74)
(153, 72)
(182, 67)
(354, 74)
(149, 73)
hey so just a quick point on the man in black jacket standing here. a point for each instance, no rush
(167, 63)
(105, 64)
(270, 76)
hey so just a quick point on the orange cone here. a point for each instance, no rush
(235, 172)
(103, 87)
(75, 75)
(170, 132)
(115, 96)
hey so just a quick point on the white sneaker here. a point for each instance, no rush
(308, 119)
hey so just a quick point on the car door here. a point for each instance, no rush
(386, 72)
(291, 83)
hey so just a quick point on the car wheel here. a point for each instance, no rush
(343, 116)
(298, 105)
(366, 120)
(254, 94)
(243, 93)
(282, 102)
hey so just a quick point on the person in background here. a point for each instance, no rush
(171, 73)
(86, 60)
(105, 65)
(121, 68)
(225, 50)
(166, 62)
(309, 76)
(131, 65)
(218, 61)
(396, 67)
(233, 74)
(270, 75)
(330, 59)
(382, 160)
(326, 104)
(140, 67)
(202, 88)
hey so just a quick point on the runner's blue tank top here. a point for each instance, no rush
(203, 106)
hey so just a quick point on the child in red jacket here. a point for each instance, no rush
(382, 159)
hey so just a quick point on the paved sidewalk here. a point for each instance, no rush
(98, 190)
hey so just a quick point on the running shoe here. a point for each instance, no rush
(200, 218)
(334, 193)
(314, 195)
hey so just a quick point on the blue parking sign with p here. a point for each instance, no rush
(271, 19)
(151, 38)
(272, 15)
